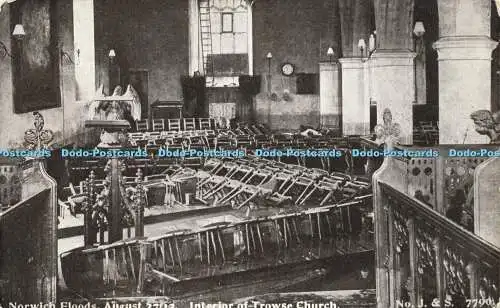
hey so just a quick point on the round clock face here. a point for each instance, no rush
(287, 69)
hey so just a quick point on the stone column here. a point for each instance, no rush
(357, 23)
(464, 55)
(355, 100)
(329, 92)
(392, 64)
(394, 88)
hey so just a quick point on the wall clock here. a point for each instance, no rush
(287, 69)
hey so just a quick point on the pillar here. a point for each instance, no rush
(356, 17)
(355, 99)
(84, 58)
(464, 56)
(357, 23)
(420, 72)
(394, 88)
(329, 92)
(392, 66)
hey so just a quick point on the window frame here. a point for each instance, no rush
(223, 25)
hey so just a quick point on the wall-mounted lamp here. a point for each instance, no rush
(420, 64)
(112, 56)
(18, 32)
(419, 29)
(371, 43)
(269, 57)
(330, 53)
(362, 46)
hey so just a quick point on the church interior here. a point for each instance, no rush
(207, 152)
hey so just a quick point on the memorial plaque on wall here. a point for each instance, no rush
(35, 62)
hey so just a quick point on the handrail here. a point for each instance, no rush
(450, 228)
(416, 241)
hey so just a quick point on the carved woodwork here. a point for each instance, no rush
(455, 262)
(38, 138)
(28, 232)
(138, 204)
(426, 259)
(465, 266)
(422, 180)
(399, 224)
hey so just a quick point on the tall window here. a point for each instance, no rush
(224, 44)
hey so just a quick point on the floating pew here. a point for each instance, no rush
(210, 246)
(171, 255)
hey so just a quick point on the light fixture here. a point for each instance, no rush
(371, 43)
(112, 56)
(18, 32)
(419, 29)
(362, 46)
(330, 53)
(269, 56)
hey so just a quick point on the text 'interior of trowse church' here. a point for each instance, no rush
(249, 153)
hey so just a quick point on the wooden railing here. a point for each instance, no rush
(442, 182)
(426, 260)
